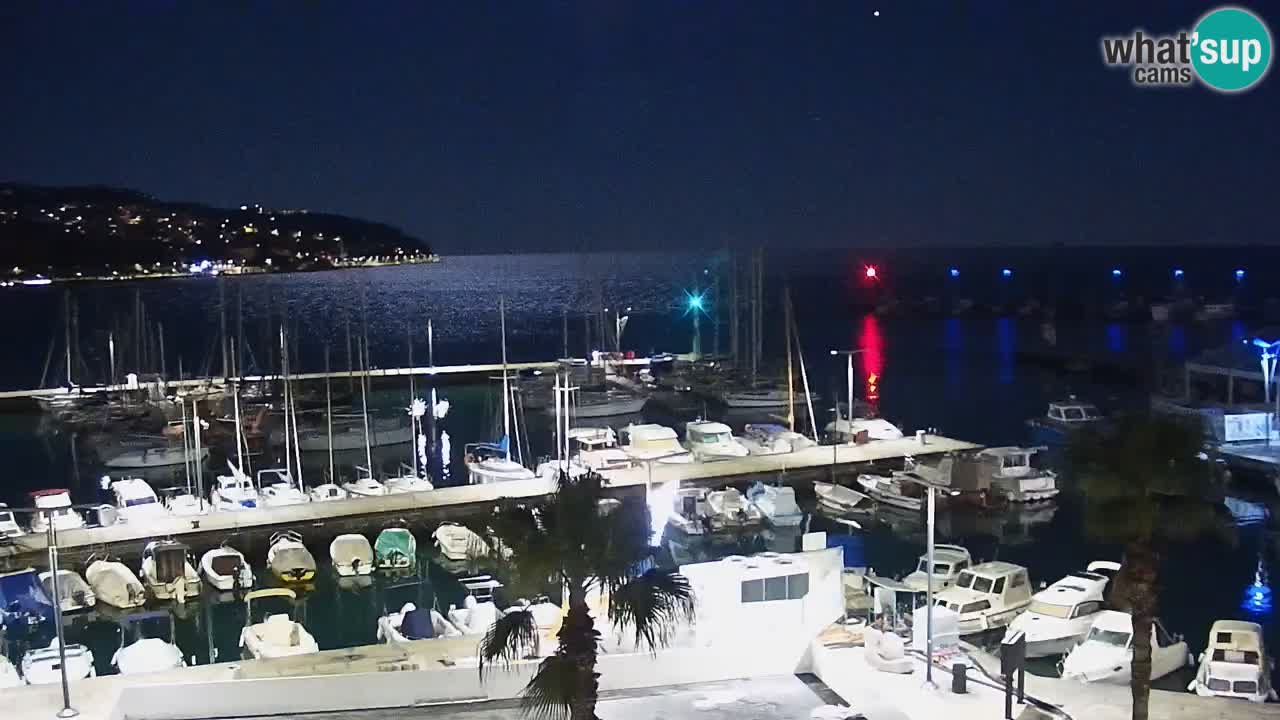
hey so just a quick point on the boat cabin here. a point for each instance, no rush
(136, 499)
(988, 595)
(597, 448)
(1072, 413)
(649, 441)
(1011, 462)
(54, 505)
(948, 562)
(706, 432)
(1235, 663)
(9, 527)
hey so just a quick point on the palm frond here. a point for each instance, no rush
(654, 604)
(514, 636)
(554, 689)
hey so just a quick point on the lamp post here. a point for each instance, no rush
(1269, 353)
(51, 539)
(931, 491)
(849, 381)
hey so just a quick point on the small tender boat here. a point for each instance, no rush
(278, 634)
(1065, 417)
(776, 503)
(772, 439)
(478, 612)
(408, 481)
(153, 457)
(44, 666)
(708, 441)
(860, 429)
(364, 485)
(114, 583)
(840, 499)
(1235, 663)
(136, 501)
(326, 493)
(54, 503)
(279, 489)
(890, 491)
(649, 442)
(689, 510)
(74, 594)
(727, 509)
(1060, 616)
(396, 549)
(351, 555)
(146, 654)
(234, 492)
(488, 463)
(225, 569)
(948, 562)
(289, 559)
(457, 543)
(167, 571)
(1016, 478)
(414, 623)
(9, 527)
(1106, 655)
(987, 596)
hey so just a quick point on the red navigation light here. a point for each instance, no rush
(870, 272)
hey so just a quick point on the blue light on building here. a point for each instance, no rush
(1116, 272)
(1239, 274)
(1006, 272)
(954, 272)
(1177, 272)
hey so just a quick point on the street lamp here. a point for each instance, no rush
(849, 380)
(1270, 351)
(52, 504)
(931, 491)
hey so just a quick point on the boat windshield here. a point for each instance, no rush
(711, 438)
(965, 580)
(6, 517)
(1114, 638)
(982, 585)
(133, 502)
(1091, 412)
(1049, 609)
(939, 568)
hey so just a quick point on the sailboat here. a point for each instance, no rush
(488, 462)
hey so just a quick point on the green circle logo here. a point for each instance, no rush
(1231, 49)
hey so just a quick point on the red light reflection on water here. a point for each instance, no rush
(871, 342)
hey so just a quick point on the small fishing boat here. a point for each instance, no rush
(1106, 655)
(289, 559)
(351, 555)
(136, 501)
(478, 612)
(154, 457)
(364, 485)
(327, 493)
(727, 509)
(74, 594)
(146, 654)
(1235, 663)
(777, 503)
(1060, 616)
(44, 665)
(278, 488)
(709, 441)
(649, 442)
(948, 562)
(987, 596)
(396, 549)
(225, 569)
(772, 439)
(277, 634)
(458, 543)
(862, 429)
(234, 492)
(689, 510)
(414, 623)
(891, 491)
(1064, 417)
(489, 463)
(1014, 477)
(167, 571)
(54, 503)
(114, 583)
(840, 499)
(9, 527)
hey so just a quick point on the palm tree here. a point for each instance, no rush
(576, 541)
(1146, 484)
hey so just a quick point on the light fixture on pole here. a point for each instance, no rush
(931, 491)
(53, 503)
(849, 381)
(1269, 353)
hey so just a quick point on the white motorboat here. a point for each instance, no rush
(1066, 416)
(689, 510)
(351, 555)
(1106, 655)
(154, 457)
(277, 634)
(54, 503)
(840, 499)
(606, 404)
(597, 449)
(709, 441)
(1060, 616)
(396, 549)
(289, 559)
(863, 429)
(326, 493)
(727, 509)
(1016, 478)
(457, 543)
(146, 654)
(181, 503)
(277, 488)
(348, 434)
(475, 617)
(487, 463)
(987, 596)
(1235, 663)
(364, 485)
(414, 623)
(407, 481)
(44, 666)
(136, 501)
(891, 491)
(225, 569)
(649, 442)
(948, 562)
(9, 677)
(763, 398)
(9, 527)
(772, 439)
(74, 594)
(234, 492)
(167, 572)
(777, 503)
(114, 583)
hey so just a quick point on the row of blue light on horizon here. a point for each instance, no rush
(1115, 273)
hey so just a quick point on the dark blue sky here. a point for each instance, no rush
(607, 125)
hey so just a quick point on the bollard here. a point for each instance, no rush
(959, 678)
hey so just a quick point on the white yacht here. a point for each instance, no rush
(649, 442)
(777, 503)
(146, 654)
(114, 583)
(948, 562)
(456, 542)
(772, 439)
(891, 491)
(597, 449)
(1066, 416)
(351, 555)
(1060, 616)
(44, 666)
(987, 596)
(167, 571)
(153, 457)
(839, 499)
(488, 463)
(9, 527)
(234, 492)
(289, 559)
(364, 485)
(1235, 663)
(727, 509)
(74, 594)
(689, 510)
(277, 488)
(54, 503)
(136, 501)
(1016, 478)
(1106, 655)
(708, 440)
(225, 569)
(326, 493)
(277, 634)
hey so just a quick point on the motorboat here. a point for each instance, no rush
(146, 654)
(74, 594)
(1060, 616)
(1106, 655)
(987, 596)
(891, 491)
(114, 584)
(597, 449)
(226, 569)
(23, 602)
(278, 489)
(136, 501)
(777, 503)
(839, 499)
(606, 404)
(234, 492)
(709, 440)
(154, 457)
(396, 549)
(649, 442)
(948, 562)
(364, 485)
(689, 510)
(289, 559)
(9, 527)
(489, 463)
(458, 543)
(327, 492)
(414, 623)
(351, 555)
(181, 503)
(727, 509)
(1235, 663)
(763, 398)
(54, 503)
(167, 571)
(44, 666)
(408, 481)
(863, 429)
(547, 616)
(772, 439)
(1014, 477)
(349, 434)
(478, 612)
(1064, 417)
(277, 634)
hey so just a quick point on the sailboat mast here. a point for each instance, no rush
(66, 330)
(235, 402)
(328, 408)
(506, 394)
(284, 375)
(364, 405)
(791, 379)
(804, 378)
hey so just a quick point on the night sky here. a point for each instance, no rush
(625, 126)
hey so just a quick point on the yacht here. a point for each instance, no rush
(488, 463)
(136, 501)
(154, 457)
(891, 491)
(1235, 663)
(1060, 615)
(606, 404)
(146, 654)
(1016, 478)
(74, 594)
(597, 449)
(277, 488)
(396, 549)
(234, 492)
(727, 509)
(225, 569)
(839, 499)
(277, 634)
(1106, 655)
(772, 439)
(987, 596)
(777, 503)
(289, 559)
(649, 442)
(348, 434)
(44, 666)
(167, 571)
(708, 440)
(853, 430)
(326, 493)
(364, 485)
(456, 542)
(351, 555)
(689, 510)
(9, 527)
(763, 398)
(948, 562)
(54, 503)
(114, 583)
